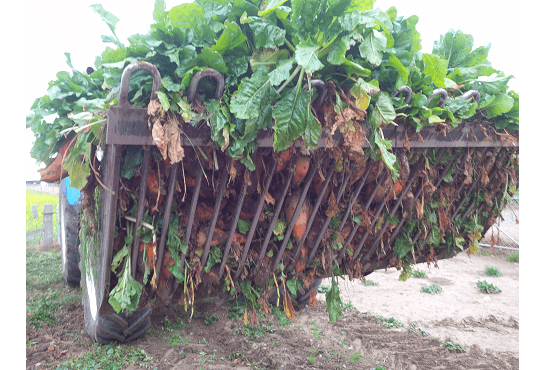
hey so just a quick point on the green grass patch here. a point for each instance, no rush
(432, 289)
(453, 347)
(46, 293)
(419, 274)
(388, 322)
(256, 332)
(370, 283)
(487, 288)
(513, 257)
(108, 357)
(39, 199)
(281, 316)
(491, 271)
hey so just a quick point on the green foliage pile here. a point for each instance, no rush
(267, 51)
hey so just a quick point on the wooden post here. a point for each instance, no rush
(48, 224)
(34, 211)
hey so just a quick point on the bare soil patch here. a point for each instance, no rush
(486, 326)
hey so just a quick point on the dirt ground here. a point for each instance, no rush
(485, 326)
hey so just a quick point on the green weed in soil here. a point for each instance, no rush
(492, 271)
(485, 287)
(432, 289)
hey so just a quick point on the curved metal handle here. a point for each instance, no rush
(443, 98)
(319, 84)
(473, 93)
(404, 89)
(207, 72)
(125, 80)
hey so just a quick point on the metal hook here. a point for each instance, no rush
(473, 93)
(207, 72)
(318, 84)
(404, 89)
(125, 80)
(443, 98)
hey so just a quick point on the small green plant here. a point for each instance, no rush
(419, 274)
(513, 257)
(370, 283)
(355, 357)
(485, 287)
(315, 330)
(175, 338)
(169, 326)
(108, 357)
(492, 271)
(182, 354)
(388, 322)
(210, 319)
(432, 289)
(453, 347)
(349, 307)
(281, 317)
(379, 367)
(256, 333)
(312, 359)
(323, 288)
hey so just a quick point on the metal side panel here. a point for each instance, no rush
(109, 196)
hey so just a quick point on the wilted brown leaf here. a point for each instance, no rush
(175, 150)
(312, 298)
(159, 138)
(332, 205)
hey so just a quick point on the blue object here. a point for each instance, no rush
(73, 194)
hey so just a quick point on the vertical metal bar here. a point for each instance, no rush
(194, 201)
(141, 207)
(233, 227)
(166, 218)
(274, 219)
(252, 230)
(327, 221)
(217, 205)
(109, 195)
(312, 217)
(290, 226)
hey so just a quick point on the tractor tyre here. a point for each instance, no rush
(68, 238)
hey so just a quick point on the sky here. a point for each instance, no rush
(55, 27)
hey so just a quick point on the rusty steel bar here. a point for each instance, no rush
(366, 207)
(373, 222)
(394, 209)
(166, 218)
(308, 180)
(474, 185)
(417, 194)
(274, 218)
(327, 221)
(141, 207)
(350, 206)
(194, 201)
(252, 230)
(328, 177)
(233, 226)
(217, 205)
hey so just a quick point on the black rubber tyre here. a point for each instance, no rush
(302, 296)
(109, 327)
(68, 238)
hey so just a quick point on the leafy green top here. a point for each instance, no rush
(266, 51)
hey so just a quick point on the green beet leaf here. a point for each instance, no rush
(373, 47)
(254, 92)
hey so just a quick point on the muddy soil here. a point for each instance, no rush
(485, 326)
